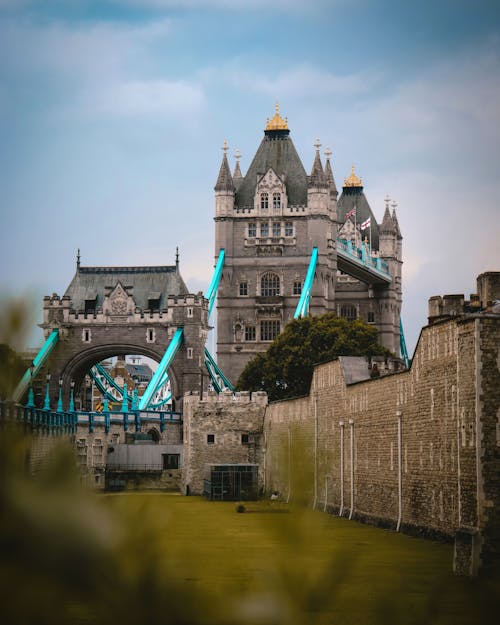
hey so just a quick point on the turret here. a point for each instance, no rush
(224, 188)
(318, 188)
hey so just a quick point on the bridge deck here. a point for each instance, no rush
(360, 265)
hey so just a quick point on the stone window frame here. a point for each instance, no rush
(190, 352)
(250, 333)
(190, 312)
(150, 335)
(264, 229)
(370, 317)
(252, 230)
(264, 201)
(349, 311)
(276, 229)
(289, 228)
(210, 439)
(86, 335)
(297, 287)
(269, 329)
(270, 284)
(276, 201)
(245, 439)
(243, 288)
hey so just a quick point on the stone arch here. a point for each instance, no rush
(74, 366)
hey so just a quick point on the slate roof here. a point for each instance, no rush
(224, 179)
(276, 151)
(142, 283)
(354, 196)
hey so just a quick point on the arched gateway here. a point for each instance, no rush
(111, 311)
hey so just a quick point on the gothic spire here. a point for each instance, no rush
(224, 180)
(329, 174)
(237, 175)
(317, 177)
(395, 220)
(387, 225)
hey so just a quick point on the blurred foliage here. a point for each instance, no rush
(12, 369)
(286, 368)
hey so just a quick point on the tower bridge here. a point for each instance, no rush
(286, 245)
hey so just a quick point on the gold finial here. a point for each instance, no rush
(353, 180)
(277, 122)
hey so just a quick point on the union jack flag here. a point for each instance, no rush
(351, 213)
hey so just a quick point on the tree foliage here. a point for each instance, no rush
(286, 368)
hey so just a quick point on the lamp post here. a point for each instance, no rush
(59, 400)
(72, 397)
(31, 395)
(46, 403)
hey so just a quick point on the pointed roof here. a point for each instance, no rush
(224, 179)
(387, 225)
(329, 174)
(353, 196)
(276, 151)
(395, 221)
(317, 177)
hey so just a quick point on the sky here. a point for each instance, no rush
(113, 115)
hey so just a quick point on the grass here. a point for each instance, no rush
(297, 566)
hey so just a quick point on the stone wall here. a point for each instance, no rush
(417, 450)
(227, 419)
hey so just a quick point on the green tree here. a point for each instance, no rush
(286, 368)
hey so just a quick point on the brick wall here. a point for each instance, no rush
(402, 450)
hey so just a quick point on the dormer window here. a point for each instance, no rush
(154, 300)
(264, 201)
(276, 201)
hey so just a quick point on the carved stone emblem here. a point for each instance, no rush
(118, 303)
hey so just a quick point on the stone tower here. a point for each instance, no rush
(268, 222)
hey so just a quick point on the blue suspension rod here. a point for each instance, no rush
(303, 305)
(162, 368)
(214, 284)
(38, 363)
(214, 370)
(402, 345)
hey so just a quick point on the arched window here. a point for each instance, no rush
(269, 285)
(264, 201)
(276, 201)
(349, 312)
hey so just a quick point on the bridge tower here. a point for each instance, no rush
(268, 222)
(114, 311)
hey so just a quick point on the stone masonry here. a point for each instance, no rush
(227, 419)
(417, 450)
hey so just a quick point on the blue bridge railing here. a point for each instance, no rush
(362, 256)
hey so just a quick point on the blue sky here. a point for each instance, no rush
(112, 115)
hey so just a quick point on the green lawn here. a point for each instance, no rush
(274, 564)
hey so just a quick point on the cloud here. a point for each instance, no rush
(138, 98)
(301, 81)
